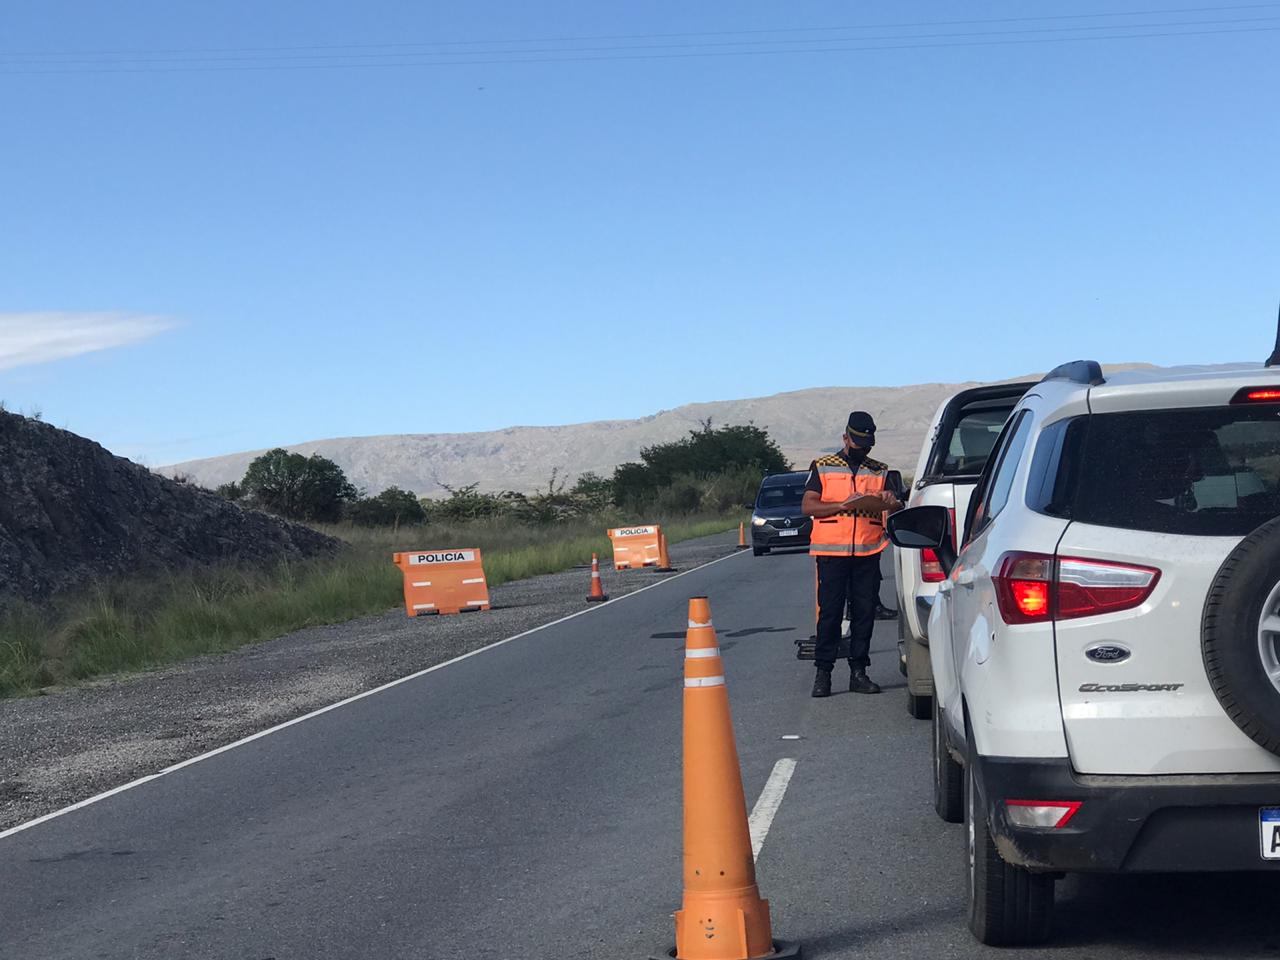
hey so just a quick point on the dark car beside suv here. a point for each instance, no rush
(777, 520)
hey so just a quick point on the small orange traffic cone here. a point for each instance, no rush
(664, 561)
(723, 916)
(742, 535)
(597, 593)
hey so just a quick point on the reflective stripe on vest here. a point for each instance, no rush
(859, 533)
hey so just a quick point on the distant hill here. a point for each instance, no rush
(71, 512)
(803, 422)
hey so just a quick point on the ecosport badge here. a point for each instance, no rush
(1130, 687)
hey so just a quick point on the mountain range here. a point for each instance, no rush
(804, 423)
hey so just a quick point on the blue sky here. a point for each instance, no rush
(204, 252)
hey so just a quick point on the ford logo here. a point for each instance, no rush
(1108, 653)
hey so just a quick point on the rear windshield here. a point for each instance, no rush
(973, 438)
(782, 495)
(1209, 472)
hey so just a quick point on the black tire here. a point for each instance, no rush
(948, 776)
(920, 707)
(1246, 588)
(1008, 906)
(759, 551)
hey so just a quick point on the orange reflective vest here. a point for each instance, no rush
(856, 534)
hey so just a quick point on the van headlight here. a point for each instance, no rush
(758, 521)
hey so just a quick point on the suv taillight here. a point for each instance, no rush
(1035, 588)
(930, 563)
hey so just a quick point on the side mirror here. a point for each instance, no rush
(924, 528)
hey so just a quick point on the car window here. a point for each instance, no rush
(972, 441)
(995, 492)
(1211, 471)
(784, 495)
(1054, 455)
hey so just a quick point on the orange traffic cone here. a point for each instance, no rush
(597, 593)
(742, 535)
(664, 561)
(723, 917)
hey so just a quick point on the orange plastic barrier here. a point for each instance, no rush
(641, 546)
(443, 581)
(723, 916)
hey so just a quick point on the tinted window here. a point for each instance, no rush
(780, 496)
(995, 492)
(1210, 472)
(1047, 483)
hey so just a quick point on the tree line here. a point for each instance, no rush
(713, 469)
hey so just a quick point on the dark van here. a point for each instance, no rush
(777, 520)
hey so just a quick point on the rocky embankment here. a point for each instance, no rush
(71, 511)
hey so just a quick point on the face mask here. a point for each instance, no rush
(865, 442)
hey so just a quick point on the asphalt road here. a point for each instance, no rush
(524, 803)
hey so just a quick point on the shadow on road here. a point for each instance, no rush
(1213, 915)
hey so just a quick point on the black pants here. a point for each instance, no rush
(855, 581)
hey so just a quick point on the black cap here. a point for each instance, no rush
(860, 427)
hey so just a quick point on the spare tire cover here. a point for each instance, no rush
(1240, 635)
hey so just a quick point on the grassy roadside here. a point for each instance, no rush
(147, 622)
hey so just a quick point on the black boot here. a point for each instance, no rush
(822, 682)
(859, 682)
(885, 613)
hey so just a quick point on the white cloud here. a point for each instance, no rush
(41, 337)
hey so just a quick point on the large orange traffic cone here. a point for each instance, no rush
(597, 593)
(664, 561)
(723, 917)
(742, 535)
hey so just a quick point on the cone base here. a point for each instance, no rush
(782, 950)
(663, 569)
(596, 599)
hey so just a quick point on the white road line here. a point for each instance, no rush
(342, 703)
(766, 807)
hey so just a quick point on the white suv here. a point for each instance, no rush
(1106, 646)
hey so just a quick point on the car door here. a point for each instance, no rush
(1008, 671)
(973, 592)
(952, 624)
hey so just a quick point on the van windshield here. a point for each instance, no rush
(782, 495)
(1210, 471)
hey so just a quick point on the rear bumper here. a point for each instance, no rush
(1161, 824)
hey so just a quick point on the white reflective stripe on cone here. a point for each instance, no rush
(422, 583)
(704, 681)
(698, 653)
(474, 580)
(694, 624)
(423, 606)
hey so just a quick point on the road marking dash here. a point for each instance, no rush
(767, 805)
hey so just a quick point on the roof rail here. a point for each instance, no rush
(1088, 372)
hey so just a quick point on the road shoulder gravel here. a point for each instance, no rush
(61, 748)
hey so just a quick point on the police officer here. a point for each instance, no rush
(847, 497)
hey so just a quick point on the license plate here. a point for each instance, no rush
(788, 533)
(1269, 822)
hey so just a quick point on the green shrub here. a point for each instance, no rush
(391, 508)
(300, 488)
